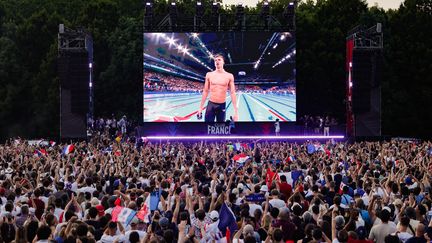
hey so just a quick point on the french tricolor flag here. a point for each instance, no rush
(144, 213)
(240, 158)
(123, 215)
(40, 152)
(291, 158)
(342, 185)
(68, 149)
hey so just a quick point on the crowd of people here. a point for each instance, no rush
(167, 83)
(254, 191)
(318, 125)
(112, 125)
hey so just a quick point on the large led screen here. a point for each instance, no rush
(212, 77)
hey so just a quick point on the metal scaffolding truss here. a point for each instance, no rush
(218, 21)
(70, 40)
(197, 24)
(367, 39)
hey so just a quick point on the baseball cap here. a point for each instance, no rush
(408, 181)
(264, 188)
(398, 202)
(387, 208)
(94, 201)
(235, 191)
(214, 215)
(100, 209)
(24, 200)
(116, 183)
(240, 186)
(164, 223)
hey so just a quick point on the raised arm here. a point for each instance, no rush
(233, 97)
(205, 92)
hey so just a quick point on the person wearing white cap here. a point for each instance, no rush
(212, 232)
(214, 216)
(198, 218)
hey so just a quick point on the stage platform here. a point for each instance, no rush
(242, 130)
(338, 137)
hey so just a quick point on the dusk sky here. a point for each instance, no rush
(386, 4)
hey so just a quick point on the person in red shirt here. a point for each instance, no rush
(37, 203)
(284, 187)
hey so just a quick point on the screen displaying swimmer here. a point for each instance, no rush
(214, 77)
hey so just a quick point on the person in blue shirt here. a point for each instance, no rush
(346, 199)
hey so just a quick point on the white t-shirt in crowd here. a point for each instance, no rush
(58, 212)
(404, 236)
(142, 234)
(110, 239)
(253, 207)
(379, 232)
(86, 189)
(277, 203)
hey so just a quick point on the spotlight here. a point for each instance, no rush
(148, 16)
(289, 15)
(199, 12)
(173, 14)
(215, 16)
(265, 14)
(199, 9)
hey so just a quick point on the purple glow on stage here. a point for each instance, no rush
(241, 137)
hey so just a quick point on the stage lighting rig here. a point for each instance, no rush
(287, 57)
(199, 9)
(215, 19)
(148, 16)
(265, 14)
(199, 12)
(289, 15)
(240, 17)
(173, 14)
